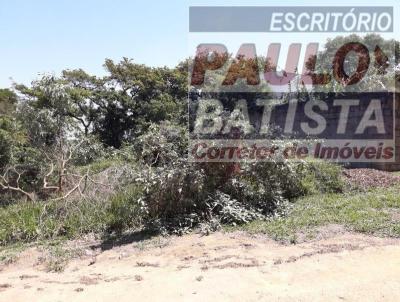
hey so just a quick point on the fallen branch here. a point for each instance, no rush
(5, 184)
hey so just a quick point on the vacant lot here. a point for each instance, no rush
(338, 266)
(325, 247)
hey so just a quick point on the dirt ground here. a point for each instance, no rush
(219, 267)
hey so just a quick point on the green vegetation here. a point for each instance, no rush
(25, 222)
(321, 177)
(125, 211)
(376, 212)
(83, 154)
(58, 255)
(156, 200)
(10, 253)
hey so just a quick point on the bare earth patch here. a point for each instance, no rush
(219, 267)
(370, 178)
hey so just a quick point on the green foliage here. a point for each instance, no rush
(116, 108)
(133, 123)
(126, 209)
(32, 221)
(322, 177)
(12, 140)
(179, 195)
(101, 165)
(19, 222)
(231, 211)
(368, 212)
(377, 78)
(266, 185)
(161, 145)
(90, 151)
(8, 101)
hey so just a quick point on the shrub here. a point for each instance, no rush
(321, 177)
(231, 211)
(265, 186)
(19, 222)
(162, 191)
(179, 194)
(126, 209)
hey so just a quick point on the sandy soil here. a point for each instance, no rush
(219, 267)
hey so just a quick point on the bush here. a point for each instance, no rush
(231, 211)
(179, 194)
(126, 209)
(321, 177)
(174, 198)
(165, 192)
(265, 186)
(90, 150)
(19, 222)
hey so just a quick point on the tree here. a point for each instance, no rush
(381, 73)
(117, 107)
(8, 101)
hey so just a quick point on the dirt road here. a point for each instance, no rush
(219, 267)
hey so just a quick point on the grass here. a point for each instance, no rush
(54, 254)
(58, 255)
(371, 212)
(101, 165)
(27, 222)
(375, 212)
(48, 225)
(322, 177)
(10, 253)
